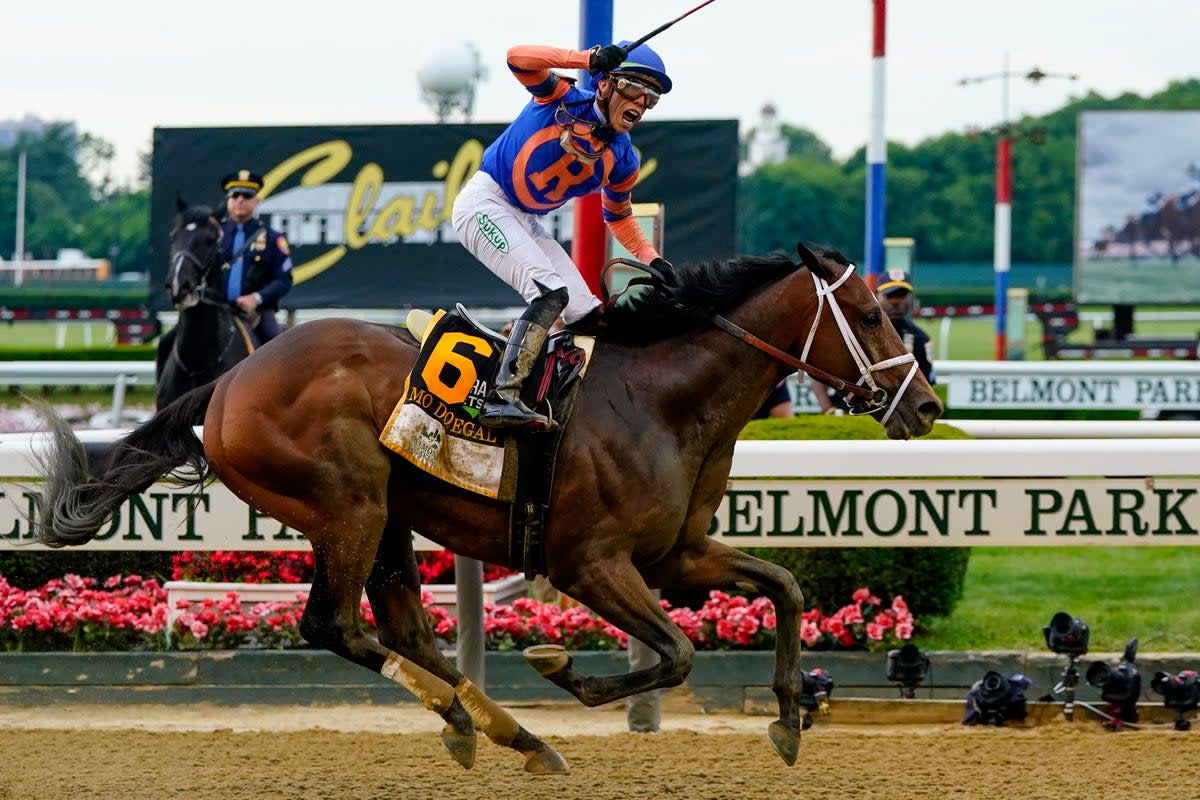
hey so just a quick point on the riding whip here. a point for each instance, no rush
(664, 26)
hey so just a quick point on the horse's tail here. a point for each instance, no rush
(84, 486)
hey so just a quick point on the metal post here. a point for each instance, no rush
(876, 150)
(118, 404)
(588, 240)
(468, 589)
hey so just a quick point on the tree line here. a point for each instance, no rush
(940, 191)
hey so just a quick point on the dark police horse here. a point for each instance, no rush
(643, 466)
(208, 338)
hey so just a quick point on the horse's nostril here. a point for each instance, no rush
(931, 409)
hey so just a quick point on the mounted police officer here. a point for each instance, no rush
(260, 263)
(567, 142)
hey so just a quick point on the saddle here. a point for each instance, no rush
(434, 424)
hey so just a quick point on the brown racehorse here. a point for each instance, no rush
(293, 431)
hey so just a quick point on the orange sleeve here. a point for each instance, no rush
(531, 64)
(630, 235)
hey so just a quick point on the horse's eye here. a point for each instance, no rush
(873, 318)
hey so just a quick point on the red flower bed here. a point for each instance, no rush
(286, 566)
(129, 613)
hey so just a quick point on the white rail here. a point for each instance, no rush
(967, 458)
(1076, 429)
(75, 373)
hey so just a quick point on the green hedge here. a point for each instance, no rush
(929, 578)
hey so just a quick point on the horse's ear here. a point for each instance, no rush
(810, 259)
(180, 204)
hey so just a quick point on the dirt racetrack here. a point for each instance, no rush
(346, 753)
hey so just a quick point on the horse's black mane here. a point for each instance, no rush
(696, 293)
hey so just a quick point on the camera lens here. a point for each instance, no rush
(1098, 674)
(909, 656)
(993, 682)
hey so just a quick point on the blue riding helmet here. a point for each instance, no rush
(641, 61)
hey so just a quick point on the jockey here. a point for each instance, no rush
(566, 143)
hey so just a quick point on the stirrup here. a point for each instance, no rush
(501, 413)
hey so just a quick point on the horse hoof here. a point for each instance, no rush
(785, 741)
(547, 659)
(460, 746)
(546, 762)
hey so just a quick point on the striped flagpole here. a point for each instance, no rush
(1002, 252)
(1002, 227)
(876, 149)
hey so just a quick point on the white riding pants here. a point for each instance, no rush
(513, 244)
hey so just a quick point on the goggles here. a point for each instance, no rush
(632, 90)
(579, 135)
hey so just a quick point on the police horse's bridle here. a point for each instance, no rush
(860, 399)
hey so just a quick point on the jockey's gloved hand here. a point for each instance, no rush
(663, 267)
(606, 59)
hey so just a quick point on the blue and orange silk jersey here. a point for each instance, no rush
(538, 175)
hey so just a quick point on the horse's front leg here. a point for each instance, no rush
(394, 589)
(616, 592)
(718, 566)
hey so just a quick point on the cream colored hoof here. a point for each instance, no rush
(547, 659)
(546, 762)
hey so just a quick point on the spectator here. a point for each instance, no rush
(567, 142)
(896, 296)
(260, 263)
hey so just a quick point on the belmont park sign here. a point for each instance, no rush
(931, 513)
(753, 513)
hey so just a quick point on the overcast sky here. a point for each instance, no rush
(118, 68)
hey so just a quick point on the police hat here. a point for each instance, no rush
(896, 280)
(242, 182)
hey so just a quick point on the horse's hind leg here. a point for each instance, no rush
(615, 591)
(403, 625)
(719, 566)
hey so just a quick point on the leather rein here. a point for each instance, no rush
(861, 399)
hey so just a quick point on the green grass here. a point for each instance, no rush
(1121, 592)
(29, 335)
(974, 338)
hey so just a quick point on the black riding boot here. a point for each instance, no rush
(504, 408)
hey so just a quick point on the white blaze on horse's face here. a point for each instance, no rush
(192, 297)
(187, 288)
(866, 369)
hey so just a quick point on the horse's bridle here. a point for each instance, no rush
(859, 399)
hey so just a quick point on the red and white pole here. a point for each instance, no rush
(876, 148)
(1002, 235)
(1002, 253)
